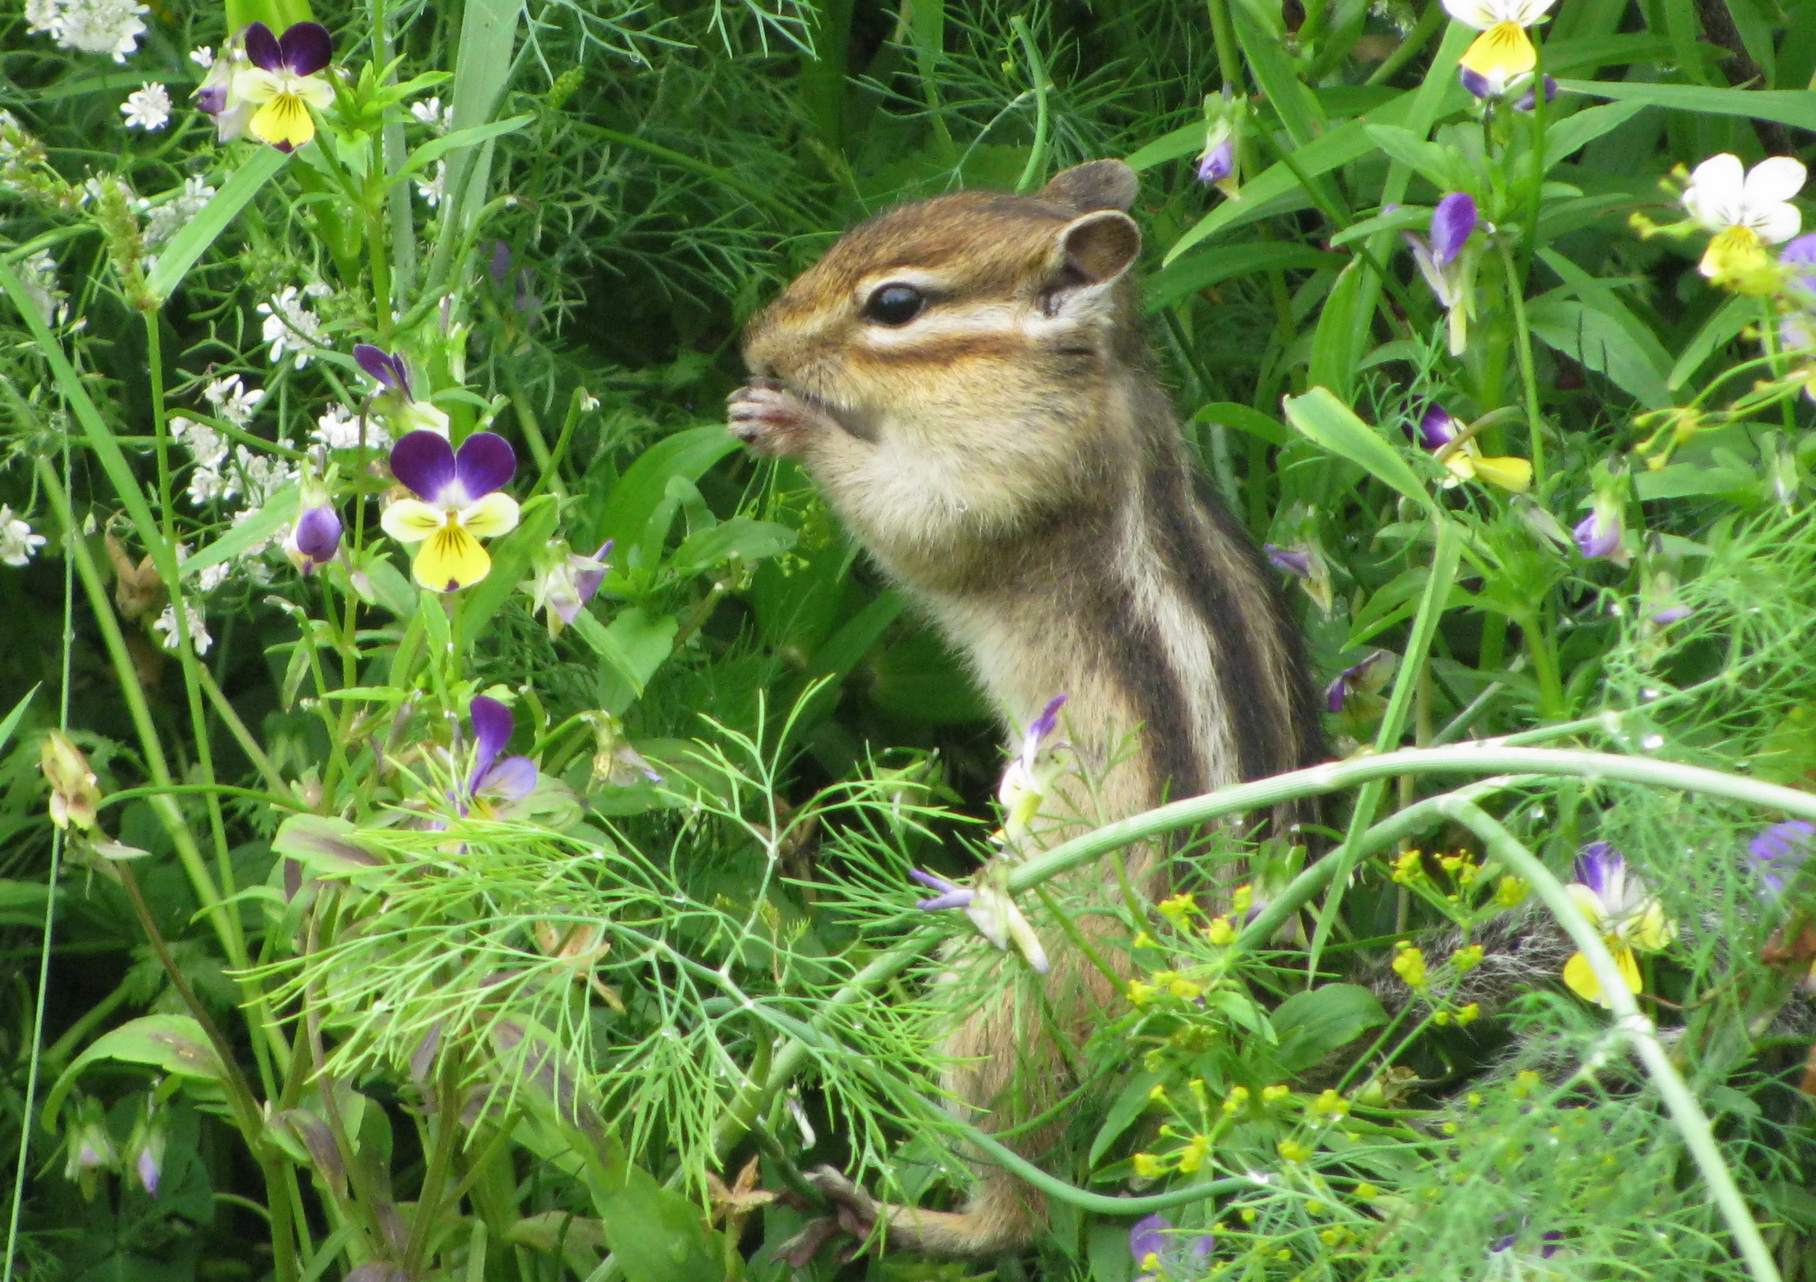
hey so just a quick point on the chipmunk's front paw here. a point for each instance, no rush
(771, 419)
(854, 1216)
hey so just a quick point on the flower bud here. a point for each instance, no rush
(74, 796)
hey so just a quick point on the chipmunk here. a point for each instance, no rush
(966, 380)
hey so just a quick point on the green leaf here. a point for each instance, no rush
(1182, 141)
(188, 245)
(634, 499)
(511, 558)
(1786, 106)
(655, 1234)
(633, 647)
(1571, 134)
(1243, 418)
(322, 843)
(1324, 419)
(11, 722)
(1129, 1105)
(1202, 270)
(740, 538)
(1339, 334)
(175, 1044)
(1312, 1024)
(482, 68)
(436, 148)
(1728, 320)
(253, 532)
(1584, 335)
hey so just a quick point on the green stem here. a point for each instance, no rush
(1229, 57)
(1522, 348)
(1692, 1123)
(242, 736)
(1037, 73)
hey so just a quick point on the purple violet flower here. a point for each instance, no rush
(1155, 1246)
(1446, 268)
(512, 779)
(1780, 852)
(1436, 428)
(1218, 163)
(1598, 535)
(316, 538)
(1295, 561)
(457, 503)
(383, 368)
(952, 895)
(283, 81)
(1348, 681)
(1671, 614)
(1527, 101)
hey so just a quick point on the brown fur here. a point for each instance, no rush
(1007, 458)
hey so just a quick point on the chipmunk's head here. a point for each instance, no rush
(934, 304)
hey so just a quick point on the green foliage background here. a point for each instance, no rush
(526, 1044)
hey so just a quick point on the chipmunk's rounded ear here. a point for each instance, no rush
(1098, 247)
(1096, 184)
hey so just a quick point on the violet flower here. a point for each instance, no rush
(1598, 535)
(315, 538)
(283, 80)
(1155, 1248)
(991, 910)
(491, 780)
(1528, 101)
(1295, 561)
(457, 503)
(567, 583)
(1023, 786)
(1218, 162)
(1351, 680)
(403, 412)
(1780, 851)
(1446, 264)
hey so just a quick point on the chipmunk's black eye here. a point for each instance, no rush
(894, 304)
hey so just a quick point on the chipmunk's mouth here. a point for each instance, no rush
(860, 423)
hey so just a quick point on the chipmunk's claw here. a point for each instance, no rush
(767, 416)
(854, 1216)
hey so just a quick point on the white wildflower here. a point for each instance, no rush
(205, 445)
(206, 484)
(290, 327)
(111, 27)
(39, 276)
(213, 576)
(202, 56)
(148, 107)
(428, 112)
(588, 402)
(166, 628)
(178, 209)
(261, 475)
(232, 403)
(338, 429)
(431, 190)
(17, 542)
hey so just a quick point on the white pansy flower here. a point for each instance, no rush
(166, 628)
(1503, 54)
(1746, 209)
(230, 401)
(148, 107)
(290, 327)
(17, 542)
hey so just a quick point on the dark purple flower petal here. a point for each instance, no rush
(1336, 694)
(424, 461)
(501, 262)
(1044, 723)
(1436, 428)
(485, 463)
(491, 722)
(1218, 163)
(1595, 537)
(211, 99)
(305, 48)
(1476, 83)
(262, 48)
(1294, 561)
(512, 779)
(586, 582)
(1598, 866)
(1550, 1238)
(1147, 1236)
(1527, 102)
(952, 895)
(385, 369)
(318, 534)
(1781, 850)
(1451, 223)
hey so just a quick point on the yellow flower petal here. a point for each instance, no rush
(493, 515)
(284, 121)
(1581, 979)
(451, 558)
(411, 520)
(1736, 257)
(1509, 473)
(1588, 903)
(1651, 930)
(255, 84)
(1501, 53)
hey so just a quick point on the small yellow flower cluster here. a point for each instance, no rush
(1409, 965)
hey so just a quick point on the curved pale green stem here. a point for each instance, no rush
(1691, 1122)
